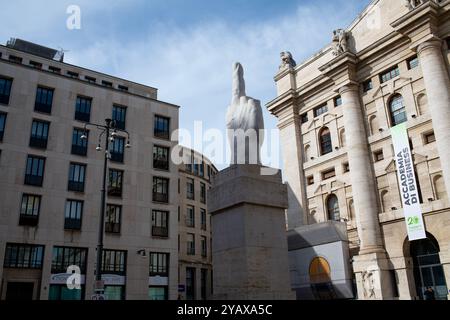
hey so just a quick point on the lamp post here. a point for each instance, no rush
(109, 130)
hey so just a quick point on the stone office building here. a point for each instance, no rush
(51, 178)
(194, 243)
(336, 111)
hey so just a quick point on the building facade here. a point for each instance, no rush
(194, 240)
(51, 181)
(336, 111)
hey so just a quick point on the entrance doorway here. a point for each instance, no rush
(428, 270)
(19, 291)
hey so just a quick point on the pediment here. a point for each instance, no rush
(392, 167)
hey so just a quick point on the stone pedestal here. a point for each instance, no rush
(373, 278)
(249, 249)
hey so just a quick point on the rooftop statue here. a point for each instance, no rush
(340, 42)
(244, 122)
(286, 60)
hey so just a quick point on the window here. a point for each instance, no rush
(310, 180)
(115, 183)
(44, 100)
(54, 69)
(122, 88)
(162, 127)
(29, 210)
(60, 292)
(203, 283)
(73, 215)
(325, 141)
(159, 264)
(346, 167)
(23, 256)
(79, 145)
(63, 257)
(389, 74)
(413, 62)
(160, 223)
(34, 175)
(77, 174)
(107, 84)
(83, 109)
(203, 219)
(119, 116)
(190, 283)
(397, 110)
(202, 192)
(448, 44)
(201, 171)
(161, 158)
(5, 90)
(39, 134)
(320, 110)
(338, 101)
(429, 137)
(160, 189)
(114, 262)
(117, 149)
(328, 174)
(190, 216)
(113, 218)
(90, 79)
(158, 293)
(114, 292)
(35, 64)
(73, 75)
(333, 208)
(2, 125)
(378, 155)
(204, 247)
(15, 59)
(190, 244)
(367, 85)
(304, 118)
(190, 192)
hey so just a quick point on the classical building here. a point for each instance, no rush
(336, 111)
(51, 171)
(194, 225)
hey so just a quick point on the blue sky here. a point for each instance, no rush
(185, 48)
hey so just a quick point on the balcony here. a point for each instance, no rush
(119, 124)
(162, 134)
(115, 191)
(191, 249)
(40, 143)
(161, 164)
(162, 232)
(82, 116)
(33, 180)
(28, 220)
(111, 227)
(42, 107)
(79, 150)
(72, 224)
(76, 186)
(116, 157)
(161, 197)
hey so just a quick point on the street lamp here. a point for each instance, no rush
(109, 131)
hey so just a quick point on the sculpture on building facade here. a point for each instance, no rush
(412, 4)
(245, 123)
(368, 284)
(340, 42)
(286, 60)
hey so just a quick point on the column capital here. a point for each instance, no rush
(351, 86)
(432, 43)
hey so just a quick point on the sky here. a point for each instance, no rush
(185, 48)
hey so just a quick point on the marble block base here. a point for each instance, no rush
(249, 249)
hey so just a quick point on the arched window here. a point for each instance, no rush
(385, 201)
(422, 103)
(397, 110)
(325, 141)
(342, 138)
(439, 188)
(333, 208)
(373, 122)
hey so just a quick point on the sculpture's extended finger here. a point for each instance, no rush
(238, 89)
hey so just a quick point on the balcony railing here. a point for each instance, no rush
(76, 186)
(82, 116)
(162, 232)
(120, 124)
(43, 107)
(162, 134)
(40, 143)
(161, 164)
(117, 157)
(79, 150)
(72, 224)
(115, 191)
(161, 197)
(28, 220)
(33, 180)
(191, 249)
(111, 227)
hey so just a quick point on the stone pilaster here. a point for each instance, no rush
(437, 85)
(361, 175)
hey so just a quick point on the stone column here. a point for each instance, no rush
(437, 85)
(291, 140)
(361, 175)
